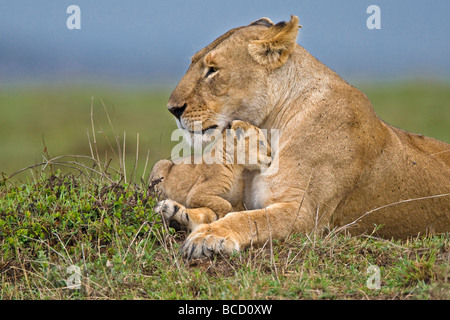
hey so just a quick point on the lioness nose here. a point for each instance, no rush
(177, 111)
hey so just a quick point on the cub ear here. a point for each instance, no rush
(276, 44)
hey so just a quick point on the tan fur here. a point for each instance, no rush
(202, 193)
(340, 166)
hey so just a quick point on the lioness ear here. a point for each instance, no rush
(262, 22)
(276, 44)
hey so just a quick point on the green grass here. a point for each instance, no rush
(91, 217)
(124, 251)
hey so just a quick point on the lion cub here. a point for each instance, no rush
(203, 193)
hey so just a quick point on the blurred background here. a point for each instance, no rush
(128, 57)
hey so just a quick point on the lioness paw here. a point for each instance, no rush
(172, 211)
(208, 240)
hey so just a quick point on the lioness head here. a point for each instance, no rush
(227, 80)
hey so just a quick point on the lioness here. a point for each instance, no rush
(210, 191)
(340, 166)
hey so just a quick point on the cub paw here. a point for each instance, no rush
(208, 240)
(172, 211)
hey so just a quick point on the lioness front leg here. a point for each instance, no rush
(239, 230)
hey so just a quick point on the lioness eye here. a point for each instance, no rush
(210, 71)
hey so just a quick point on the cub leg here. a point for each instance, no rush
(191, 218)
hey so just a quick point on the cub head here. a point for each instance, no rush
(227, 80)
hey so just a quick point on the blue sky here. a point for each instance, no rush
(150, 42)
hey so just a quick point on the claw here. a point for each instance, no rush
(205, 243)
(207, 252)
(221, 246)
(182, 251)
(189, 257)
